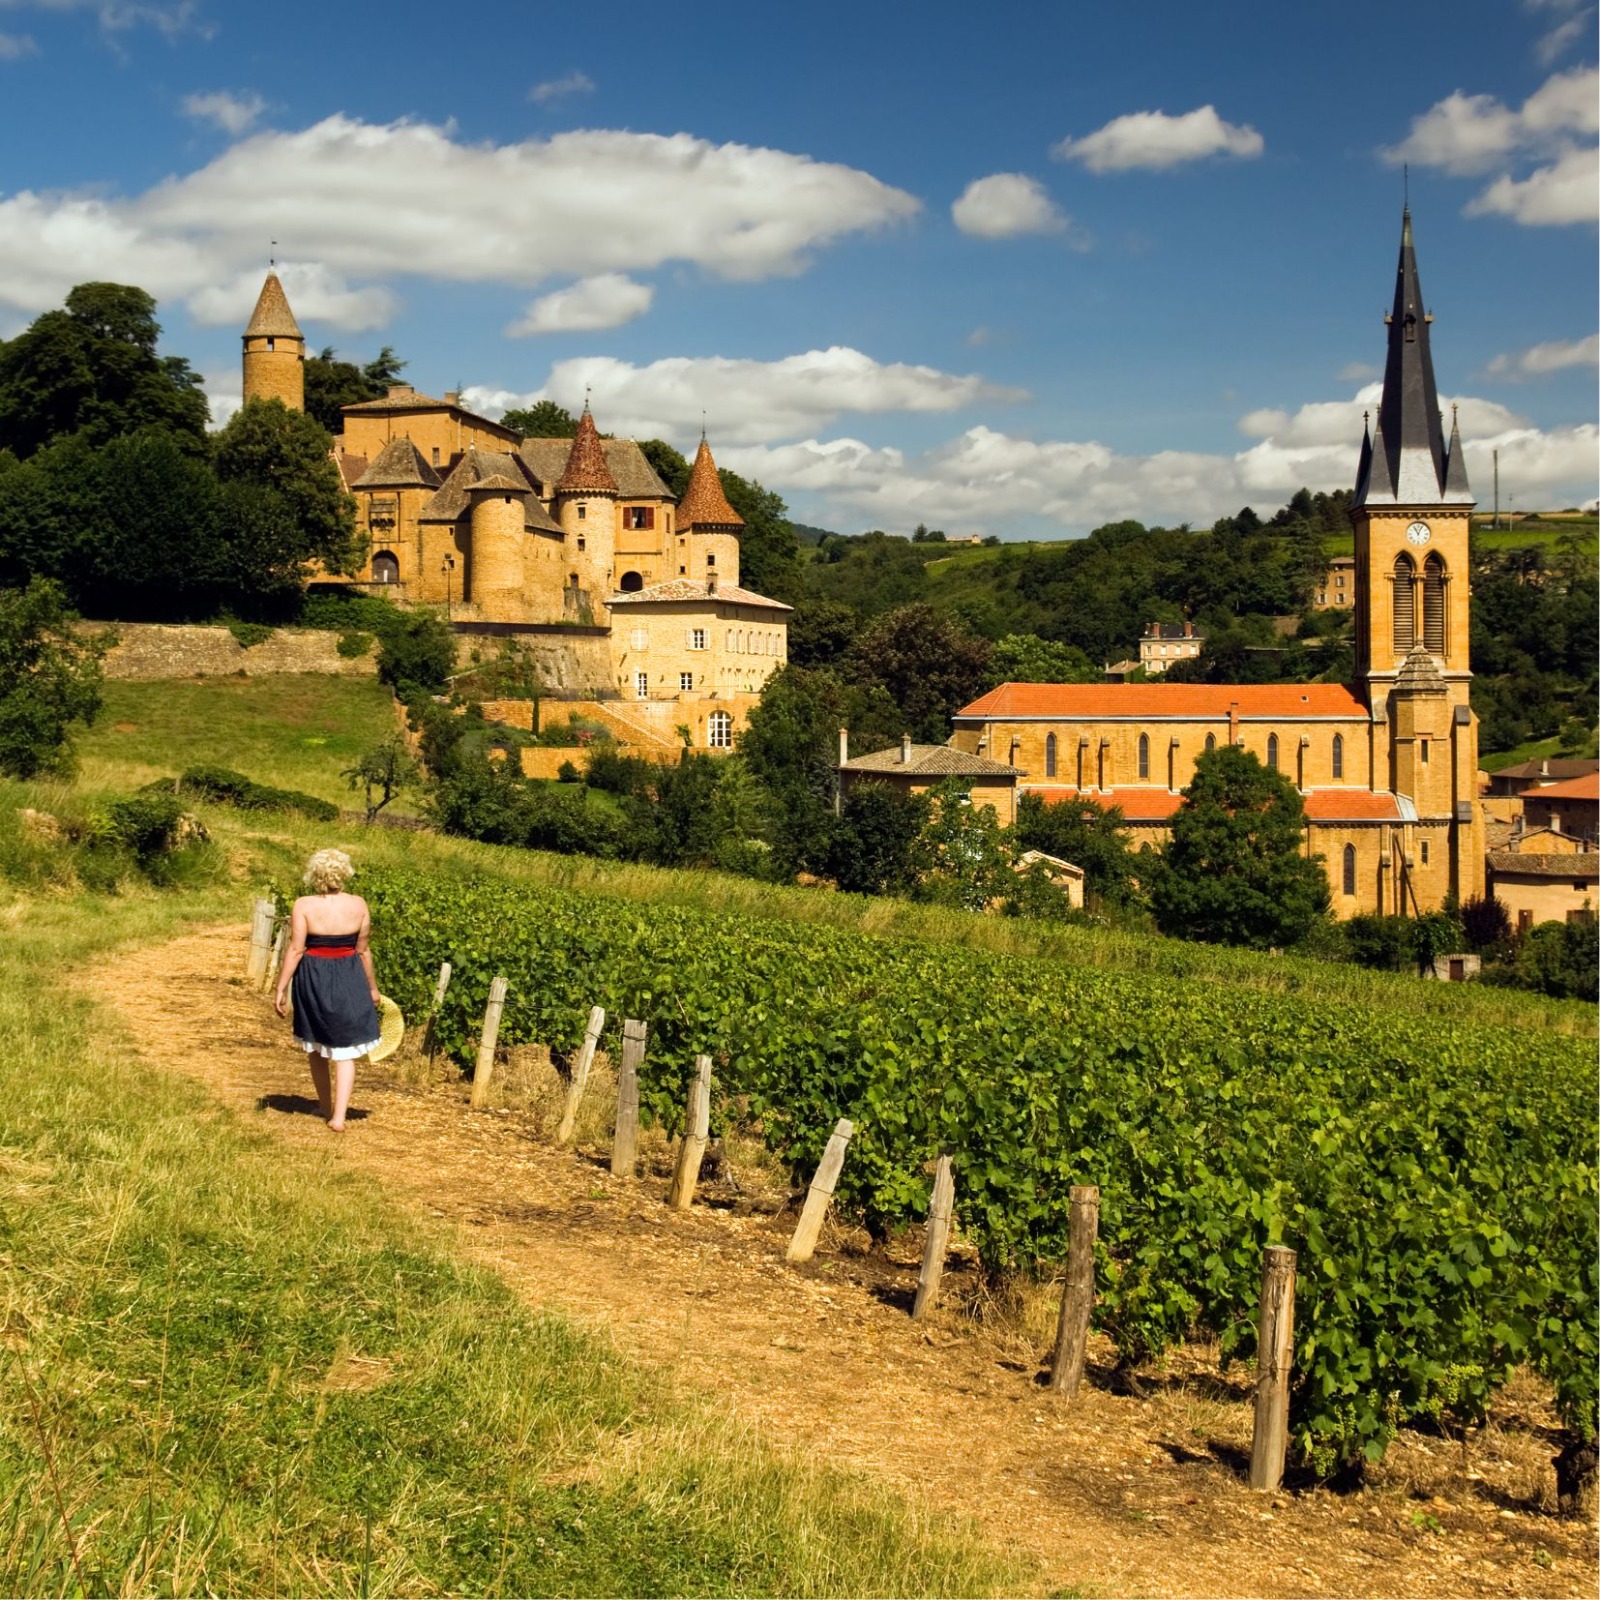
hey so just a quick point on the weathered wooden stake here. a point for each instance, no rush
(625, 1141)
(1077, 1298)
(804, 1243)
(430, 1037)
(580, 1074)
(255, 964)
(1274, 1356)
(275, 961)
(484, 1070)
(933, 1248)
(696, 1130)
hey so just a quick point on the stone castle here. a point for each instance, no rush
(547, 539)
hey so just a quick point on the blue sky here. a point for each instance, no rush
(1015, 269)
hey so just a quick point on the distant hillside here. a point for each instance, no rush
(805, 534)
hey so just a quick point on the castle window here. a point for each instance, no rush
(1424, 752)
(632, 583)
(639, 639)
(1272, 751)
(1050, 756)
(711, 560)
(697, 638)
(581, 544)
(272, 344)
(1349, 869)
(583, 511)
(385, 567)
(1433, 605)
(1424, 852)
(436, 455)
(1211, 741)
(685, 681)
(719, 730)
(1338, 756)
(1144, 755)
(639, 517)
(641, 685)
(1405, 603)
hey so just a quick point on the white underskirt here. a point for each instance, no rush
(343, 1052)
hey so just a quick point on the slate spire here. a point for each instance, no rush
(1410, 439)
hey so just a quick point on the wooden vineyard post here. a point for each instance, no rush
(275, 961)
(255, 964)
(430, 1040)
(625, 1141)
(580, 1074)
(804, 1243)
(1274, 1356)
(1077, 1298)
(483, 1071)
(696, 1130)
(939, 1209)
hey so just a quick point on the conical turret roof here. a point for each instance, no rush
(704, 505)
(586, 470)
(272, 316)
(1410, 432)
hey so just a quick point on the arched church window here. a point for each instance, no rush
(1405, 603)
(1349, 884)
(1144, 755)
(1338, 756)
(1211, 742)
(1050, 756)
(1272, 751)
(1433, 604)
(631, 583)
(385, 567)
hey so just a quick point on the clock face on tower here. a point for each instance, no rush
(1419, 533)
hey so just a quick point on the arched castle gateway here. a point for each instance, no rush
(547, 537)
(1387, 765)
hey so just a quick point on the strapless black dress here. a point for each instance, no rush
(333, 1009)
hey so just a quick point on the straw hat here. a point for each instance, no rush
(391, 1029)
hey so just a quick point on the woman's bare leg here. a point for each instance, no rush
(320, 1080)
(344, 1081)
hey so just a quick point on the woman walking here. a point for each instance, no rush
(335, 991)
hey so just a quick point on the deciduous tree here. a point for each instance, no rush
(49, 679)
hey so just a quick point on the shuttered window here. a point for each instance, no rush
(1433, 605)
(1405, 603)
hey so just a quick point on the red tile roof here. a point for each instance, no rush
(1086, 702)
(1585, 788)
(1325, 806)
(704, 505)
(586, 470)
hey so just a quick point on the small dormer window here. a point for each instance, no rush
(583, 511)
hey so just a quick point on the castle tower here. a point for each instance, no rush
(585, 504)
(499, 575)
(708, 527)
(1411, 511)
(274, 350)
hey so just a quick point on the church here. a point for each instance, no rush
(1387, 766)
(547, 538)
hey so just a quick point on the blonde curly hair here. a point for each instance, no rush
(328, 871)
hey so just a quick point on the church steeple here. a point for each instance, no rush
(1415, 469)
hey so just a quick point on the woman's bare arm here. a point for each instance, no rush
(291, 958)
(362, 940)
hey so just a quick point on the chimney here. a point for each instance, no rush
(452, 397)
(398, 391)
(1544, 769)
(905, 749)
(1188, 630)
(844, 746)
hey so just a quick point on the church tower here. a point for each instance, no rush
(274, 350)
(1411, 511)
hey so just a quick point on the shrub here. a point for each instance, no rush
(231, 788)
(352, 646)
(49, 679)
(1382, 943)
(1485, 921)
(567, 773)
(248, 634)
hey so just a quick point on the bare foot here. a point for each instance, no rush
(336, 1127)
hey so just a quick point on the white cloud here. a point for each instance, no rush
(1541, 359)
(1358, 372)
(1156, 140)
(1554, 44)
(359, 199)
(316, 293)
(233, 113)
(605, 301)
(746, 402)
(169, 17)
(1006, 205)
(991, 481)
(224, 395)
(14, 46)
(1568, 191)
(1467, 134)
(542, 94)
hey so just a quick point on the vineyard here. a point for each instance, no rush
(1437, 1177)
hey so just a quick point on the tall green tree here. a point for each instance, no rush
(544, 419)
(49, 679)
(1233, 872)
(1026, 658)
(769, 555)
(1088, 836)
(928, 663)
(91, 369)
(332, 384)
(873, 849)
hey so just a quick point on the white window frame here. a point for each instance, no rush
(719, 731)
(685, 682)
(697, 638)
(641, 685)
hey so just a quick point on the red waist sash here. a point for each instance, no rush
(331, 950)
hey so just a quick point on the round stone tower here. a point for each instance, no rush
(274, 350)
(498, 577)
(586, 507)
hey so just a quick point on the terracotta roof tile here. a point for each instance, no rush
(1580, 869)
(679, 590)
(586, 471)
(704, 505)
(272, 316)
(1554, 767)
(350, 468)
(1325, 806)
(1085, 702)
(1586, 787)
(931, 760)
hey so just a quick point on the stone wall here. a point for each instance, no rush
(575, 664)
(180, 650)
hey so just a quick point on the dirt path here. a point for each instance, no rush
(1115, 1495)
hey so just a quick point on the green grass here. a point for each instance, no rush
(186, 1301)
(297, 731)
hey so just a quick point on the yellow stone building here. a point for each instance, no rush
(1387, 766)
(531, 537)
